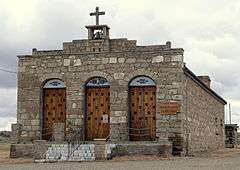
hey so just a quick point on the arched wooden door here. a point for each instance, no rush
(54, 106)
(142, 92)
(98, 109)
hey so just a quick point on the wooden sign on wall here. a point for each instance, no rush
(169, 108)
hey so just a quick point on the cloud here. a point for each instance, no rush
(5, 123)
(8, 102)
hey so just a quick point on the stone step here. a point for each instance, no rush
(100, 151)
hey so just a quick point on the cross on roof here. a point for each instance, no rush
(97, 14)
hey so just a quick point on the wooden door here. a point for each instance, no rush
(142, 113)
(98, 112)
(54, 108)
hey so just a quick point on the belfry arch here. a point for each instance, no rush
(54, 106)
(97, 108)
(142, 106)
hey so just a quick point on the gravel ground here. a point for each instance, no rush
(228, 159)
(229, 163)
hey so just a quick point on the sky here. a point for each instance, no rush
(209, 32)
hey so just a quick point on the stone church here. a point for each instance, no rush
(117, 91)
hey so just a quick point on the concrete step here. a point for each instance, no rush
(83, 152)
(63, 152)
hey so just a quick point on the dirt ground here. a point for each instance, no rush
(4, 156)
(221, 159)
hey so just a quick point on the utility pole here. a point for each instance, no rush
(230, 116)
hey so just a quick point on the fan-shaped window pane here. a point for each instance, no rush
(97, 82)
(54, 83)
(142, 81)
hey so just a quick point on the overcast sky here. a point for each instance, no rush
(208, 30)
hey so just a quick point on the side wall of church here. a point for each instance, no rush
(75, 67)
(203, 119)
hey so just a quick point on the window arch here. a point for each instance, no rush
(54, 84)
(97, 82)
(142, 81)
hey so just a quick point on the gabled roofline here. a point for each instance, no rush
(190, 74)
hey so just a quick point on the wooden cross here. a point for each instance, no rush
(97, 14)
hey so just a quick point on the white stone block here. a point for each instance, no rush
(157, 59)
(105, 60)
(74, 105)
(119, 113)
(131, 60)
(113, 119)
(64, 158)
(177, 58)
(77, 62)
(51, 158)
(113, 60)
(40, 161)
(122, 119)
(72, 57)
(66, 62)
(118, 76)
(121, 60)
(189, 119)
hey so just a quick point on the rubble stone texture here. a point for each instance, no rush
(198, 126)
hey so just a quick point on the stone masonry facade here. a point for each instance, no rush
(198, 126)
(203, 117)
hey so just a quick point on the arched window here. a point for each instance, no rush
(97, 82)
(54, 84)
(142, 81)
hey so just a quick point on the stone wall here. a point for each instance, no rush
(22, 151)
(202, 118)
(197, 127)
(119, 65)
(163, 149)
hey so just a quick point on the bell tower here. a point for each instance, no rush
(98, 32)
